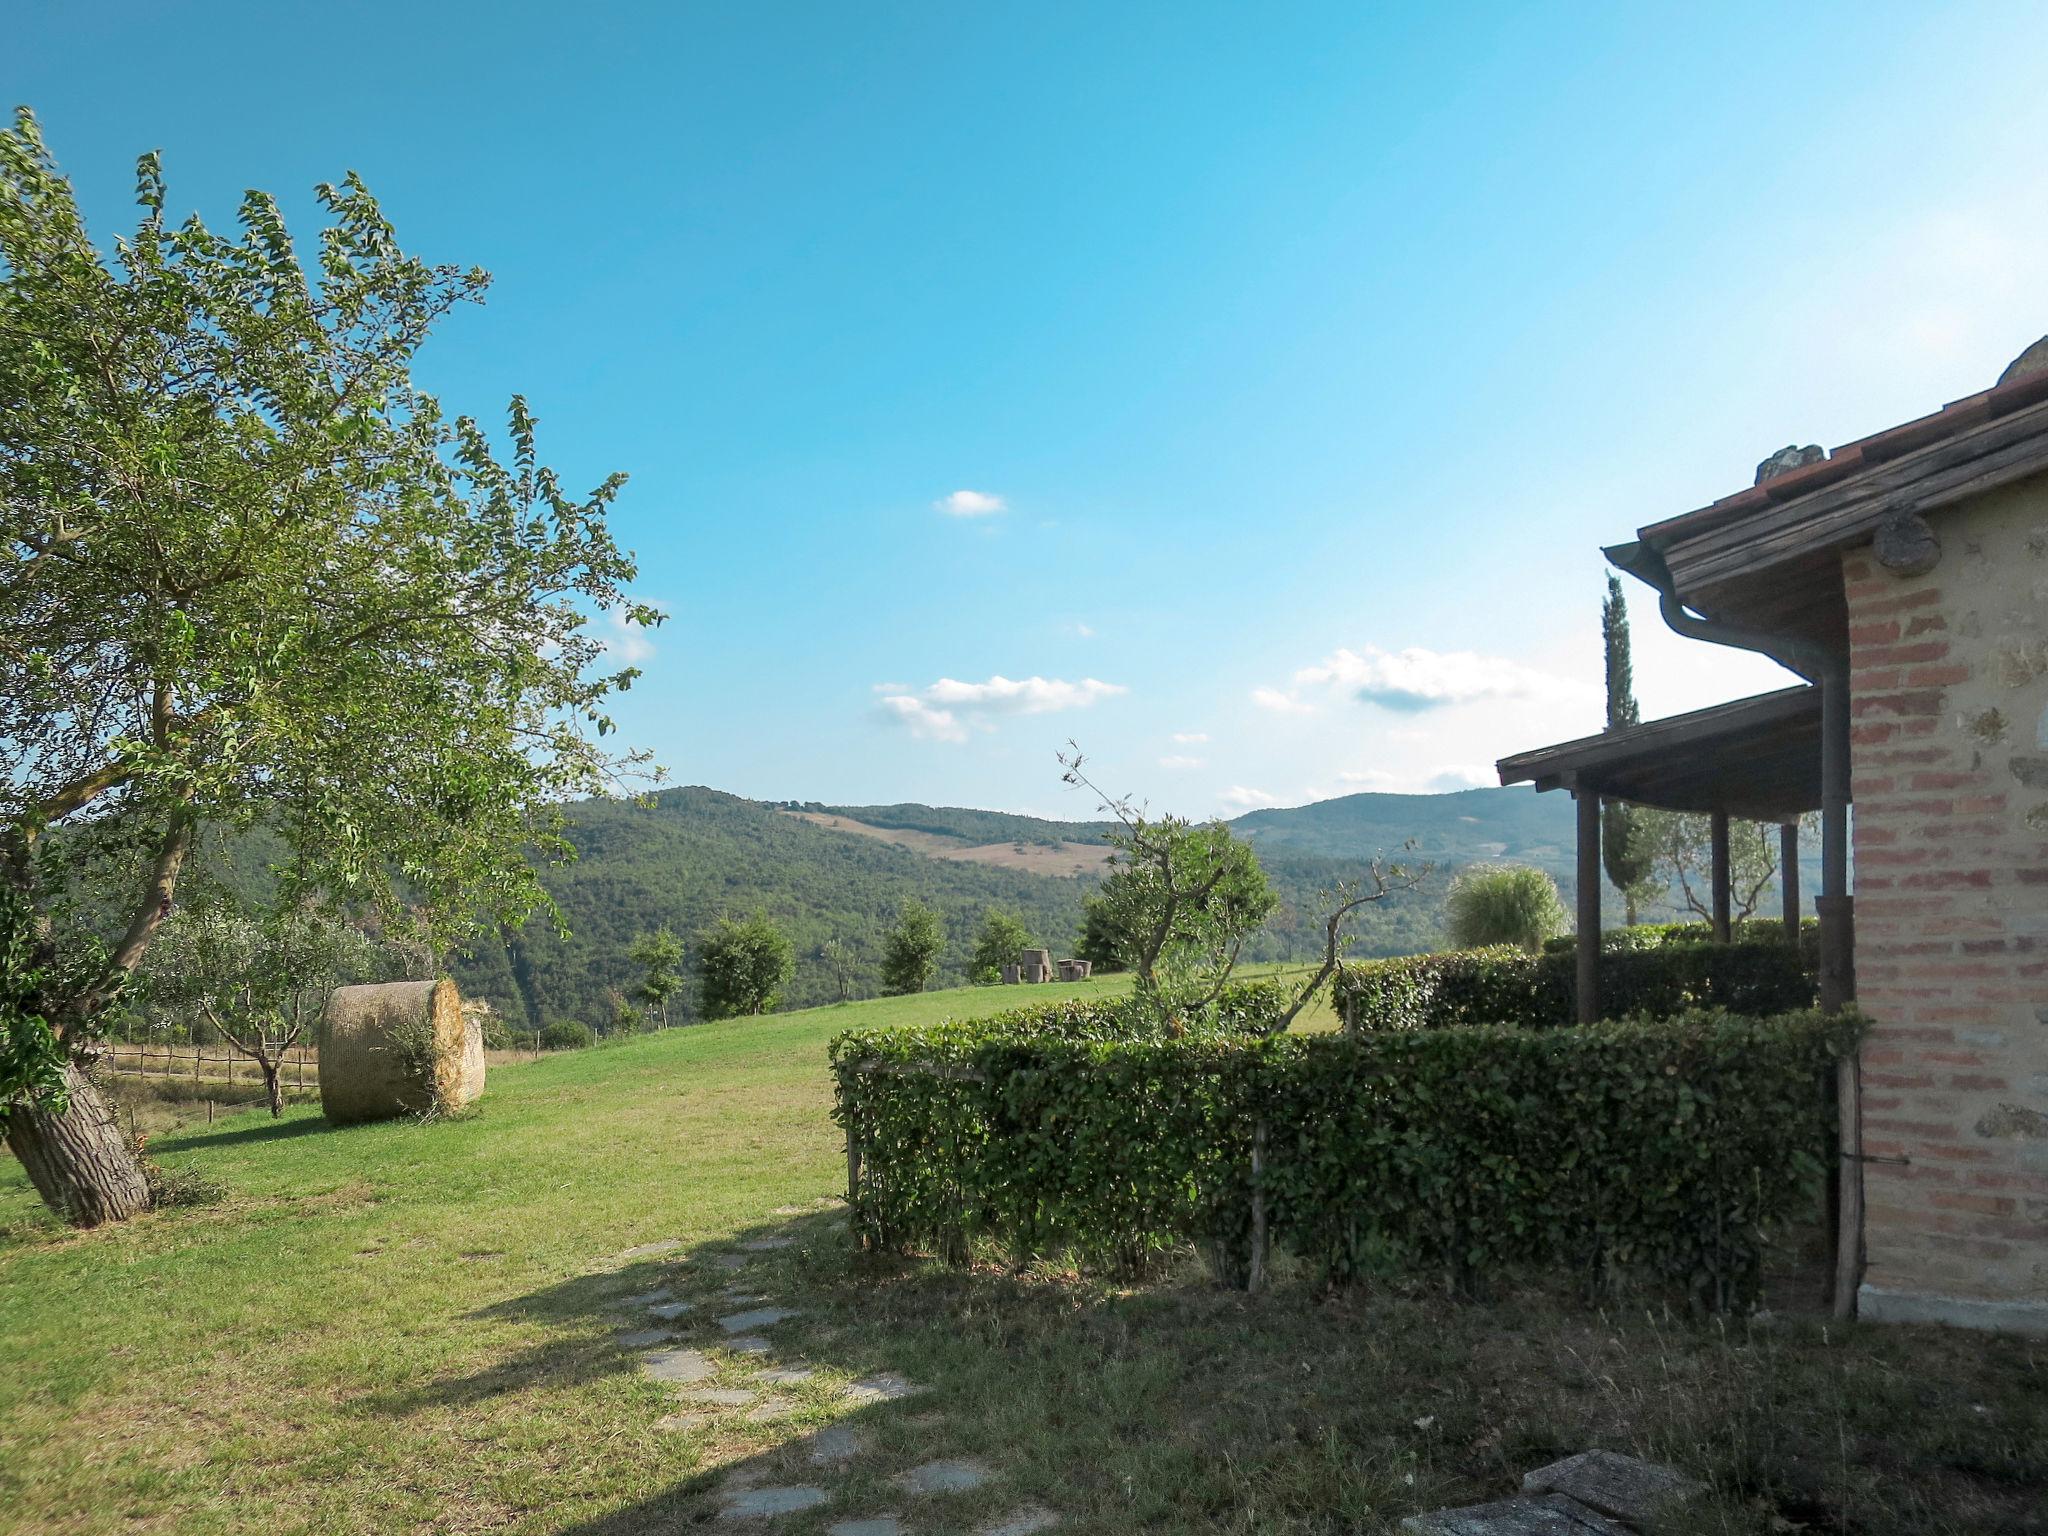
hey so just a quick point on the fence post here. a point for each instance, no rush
(1255, 1274)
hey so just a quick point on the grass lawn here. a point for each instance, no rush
(414, 1327)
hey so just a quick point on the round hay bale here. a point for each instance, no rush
(397, 1048)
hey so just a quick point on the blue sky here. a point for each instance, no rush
(1295, 359)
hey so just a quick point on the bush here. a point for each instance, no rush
(1669, 1149)
(1759, 930)
(742, 964)
(1001, 940)
(1503, 905)
(1506, 986)
(566, 1035)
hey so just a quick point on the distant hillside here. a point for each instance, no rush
(841, 872)
(1462, 828)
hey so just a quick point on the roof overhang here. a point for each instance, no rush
(1768, 557)
(1755, 758)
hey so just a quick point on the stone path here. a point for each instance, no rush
(1595, 1493)
(741, 1338)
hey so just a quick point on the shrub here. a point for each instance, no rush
(1759, 930)
(1506, 986)
(742, 964)
(1001, 939)
(910, 955)
(1503, 905)
(1669, 1149)
(566, 1035)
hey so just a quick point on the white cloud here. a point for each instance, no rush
(1247, 799)
(945, 710)
(1280, 703)
(922, 720)
(1178, 760)
(970, 504)
(1417, 679)
(630, 643)
(1084, 631)
(1377, 778)
(1190, 738)
(1461, 776)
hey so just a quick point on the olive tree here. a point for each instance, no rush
(254, 575)
(259, 982)
(1182, 898)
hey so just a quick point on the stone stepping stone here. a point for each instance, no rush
(669, 1311)
(1627, 1489)
(1027, 1521)
(643, 1338)
(720, 1397)
(768, 1244)
(759, 1503)
(731, 1260)
(786, 1375)
(678, 1365)
(649, 1298)
(760, 1317)
(768, 1412)
(749, 1344)
(675, 1423)
(1550, 1514)
(884, 1387)
(946, 1477)
(875, 1525)
(649, 1250)
(832, 1445)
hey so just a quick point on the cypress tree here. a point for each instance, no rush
(1627, 836)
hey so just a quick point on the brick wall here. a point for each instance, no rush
(1950, 728)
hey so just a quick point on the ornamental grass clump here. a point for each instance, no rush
(1513, 905)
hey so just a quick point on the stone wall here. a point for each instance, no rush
(1950, 702)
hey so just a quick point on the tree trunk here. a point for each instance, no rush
(78, 1160)
(273, 1087)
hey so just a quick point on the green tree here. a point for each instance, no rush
(910, 954)
(1100, 941)
(253, 574)
(1182, 897)
(1684, 857)
(1503, 904)
(660, 955)
(841, 965)
(1628, 833)
(742, 963)
(1001, 938)
(259, 983)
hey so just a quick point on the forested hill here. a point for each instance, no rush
(694, 853)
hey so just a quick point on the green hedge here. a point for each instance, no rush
(1762, 930)
(1509, 986)
(1669, 1148)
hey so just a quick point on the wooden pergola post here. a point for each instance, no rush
(1588, 946)
(1722, 902)
(1788, 877)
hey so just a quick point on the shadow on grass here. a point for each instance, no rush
(267, 1130)
(1177, 1407)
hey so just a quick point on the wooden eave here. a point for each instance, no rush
(1767, 555)
(1755, 758)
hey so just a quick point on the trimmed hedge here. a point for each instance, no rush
(1508, 986)
(1667, 1148)
(1762, 930)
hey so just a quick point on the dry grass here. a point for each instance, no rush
(1065, 860)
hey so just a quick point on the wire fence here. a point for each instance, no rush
(298, 1068)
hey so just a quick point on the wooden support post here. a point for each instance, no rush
(1722, 904)
(1788, 878)
(1588, 944)
(1837, 910)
